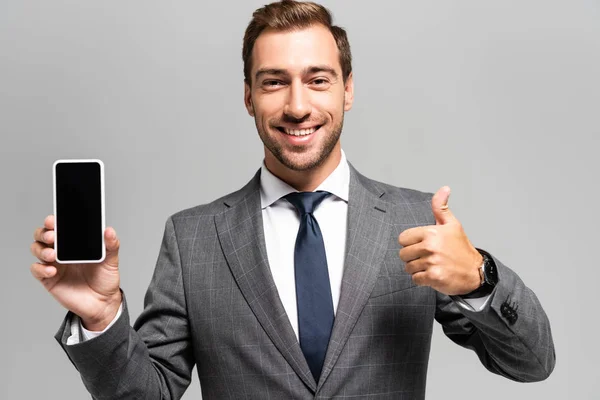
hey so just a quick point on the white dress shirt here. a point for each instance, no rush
(281, 222)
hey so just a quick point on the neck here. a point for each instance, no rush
(308, 180)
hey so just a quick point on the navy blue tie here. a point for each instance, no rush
(313, 291)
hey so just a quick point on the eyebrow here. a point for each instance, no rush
(315, 69)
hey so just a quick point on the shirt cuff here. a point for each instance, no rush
(79, 334)
(476, 304)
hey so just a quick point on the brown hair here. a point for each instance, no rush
(288, 15)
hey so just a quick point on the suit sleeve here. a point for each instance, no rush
(152, 360)
(511, 334)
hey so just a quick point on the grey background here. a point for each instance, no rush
(497, 99)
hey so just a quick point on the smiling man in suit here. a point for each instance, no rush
(312, 281)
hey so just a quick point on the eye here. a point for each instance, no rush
(320, 83)
(271, 83)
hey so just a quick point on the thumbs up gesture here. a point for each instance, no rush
(441, 256)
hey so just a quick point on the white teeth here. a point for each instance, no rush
(299, 132)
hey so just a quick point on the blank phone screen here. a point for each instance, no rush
(78, 211)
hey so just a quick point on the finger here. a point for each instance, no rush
(49, 222)
(439, 206)
(413, 252)
(416, 266)
(112, 247)
(38, 235)
(420, 278)
(44, 253)
(49, 238)
(42, 271)
(412, 236)
(44, 235)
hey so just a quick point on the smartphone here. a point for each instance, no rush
(79, 211)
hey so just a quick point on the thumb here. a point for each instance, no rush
(439, 206)
(112, 247)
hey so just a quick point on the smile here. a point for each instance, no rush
(298, 132)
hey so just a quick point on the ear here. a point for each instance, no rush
(349, 92)
(248, 99)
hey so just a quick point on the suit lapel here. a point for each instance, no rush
(241, 233)
(366, 242)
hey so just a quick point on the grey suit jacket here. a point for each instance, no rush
(212, 302)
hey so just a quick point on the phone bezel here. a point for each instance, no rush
(56, 220)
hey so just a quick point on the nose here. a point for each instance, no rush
(298, 102)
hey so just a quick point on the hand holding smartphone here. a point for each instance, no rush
(78, 258)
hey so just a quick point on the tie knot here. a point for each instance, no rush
(306, 202)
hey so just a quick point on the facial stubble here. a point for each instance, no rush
(323, 152)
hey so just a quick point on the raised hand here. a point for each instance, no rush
(441, 256)
(89, 290)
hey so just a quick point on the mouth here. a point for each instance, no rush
(298, 132)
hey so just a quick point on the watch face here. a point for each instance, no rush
(490, 271)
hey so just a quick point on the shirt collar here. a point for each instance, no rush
(272, 188)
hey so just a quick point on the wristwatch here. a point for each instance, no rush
(489, 277)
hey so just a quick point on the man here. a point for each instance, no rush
(312, 281)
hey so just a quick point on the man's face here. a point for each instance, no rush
(297, 96)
